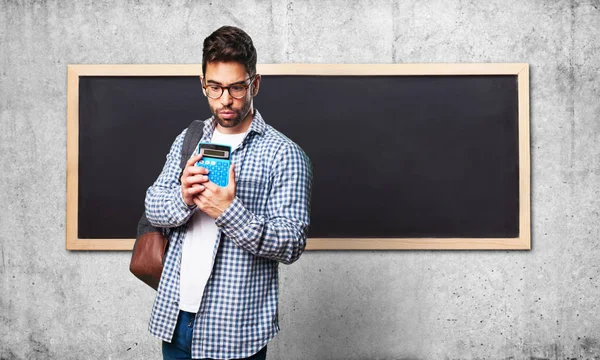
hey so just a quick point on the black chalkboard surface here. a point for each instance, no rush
(126, 127)
(420, 156)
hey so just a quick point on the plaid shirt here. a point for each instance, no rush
(265, 224)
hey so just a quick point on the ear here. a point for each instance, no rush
(202, 84)
(256, 85)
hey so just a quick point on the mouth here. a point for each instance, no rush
(227, 114)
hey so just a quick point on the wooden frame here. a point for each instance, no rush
(523, 242)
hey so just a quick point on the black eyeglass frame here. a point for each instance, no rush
(223, 88)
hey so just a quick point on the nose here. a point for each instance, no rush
(226, 98)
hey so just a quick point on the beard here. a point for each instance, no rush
(240, 114)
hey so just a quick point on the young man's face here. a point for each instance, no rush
(233, 115)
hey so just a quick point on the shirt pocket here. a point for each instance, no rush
(253, 194)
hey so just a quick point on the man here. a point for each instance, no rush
(217, 297)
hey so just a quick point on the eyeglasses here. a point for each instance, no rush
(237, 90)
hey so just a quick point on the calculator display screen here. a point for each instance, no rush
(214, 153)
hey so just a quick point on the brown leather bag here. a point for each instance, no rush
(150, 248)
(148, 257)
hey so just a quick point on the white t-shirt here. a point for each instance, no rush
(199, 244)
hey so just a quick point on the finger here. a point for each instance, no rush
(197, 179)
(197, 201)
(190, 166)
(207, 193)
(195, 170)
(195, 190)
(211, 186)
(193, 160)
(183, 179)
(203, 197)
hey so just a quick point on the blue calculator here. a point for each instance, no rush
(215, 158)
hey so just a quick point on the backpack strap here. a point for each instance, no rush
(190, 141)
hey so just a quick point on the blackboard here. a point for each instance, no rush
(427, 159)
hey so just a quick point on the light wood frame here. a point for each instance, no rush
(521, 70)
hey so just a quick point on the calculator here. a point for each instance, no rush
(215, 158)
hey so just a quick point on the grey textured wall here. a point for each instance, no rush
(538, 304)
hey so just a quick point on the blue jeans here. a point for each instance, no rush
(180, 346)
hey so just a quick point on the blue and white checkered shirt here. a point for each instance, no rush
(265, 224)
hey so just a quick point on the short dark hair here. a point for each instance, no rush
(229, 43)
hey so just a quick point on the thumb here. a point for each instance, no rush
(231, 176)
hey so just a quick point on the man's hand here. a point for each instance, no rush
(192, 180)
(213, 200)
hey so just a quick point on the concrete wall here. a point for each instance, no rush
(542, 303)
